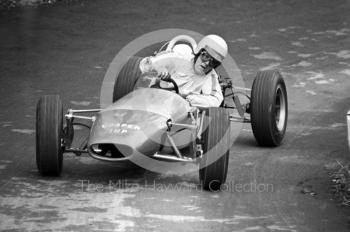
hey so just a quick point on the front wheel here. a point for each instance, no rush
(49, 135)
(269, 108)
(216, 148)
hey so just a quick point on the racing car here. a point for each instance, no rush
(159, 124)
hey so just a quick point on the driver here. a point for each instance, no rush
(193, 71)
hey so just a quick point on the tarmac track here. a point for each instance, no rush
(66, 48)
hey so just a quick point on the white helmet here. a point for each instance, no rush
(214, 45)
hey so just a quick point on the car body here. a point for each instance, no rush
(140, 122)
(161, 125)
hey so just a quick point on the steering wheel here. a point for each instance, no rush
(151, 80)
(170, 80)
(181, 38)
(175, 87)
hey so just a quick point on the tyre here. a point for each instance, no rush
(49, 134)
(216, 148)
(269, 108)
(127, 78)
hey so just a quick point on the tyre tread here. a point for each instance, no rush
(262, 100)
(49, 129)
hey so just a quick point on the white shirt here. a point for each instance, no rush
(199, 90)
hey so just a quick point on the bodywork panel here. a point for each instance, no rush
(138, 121)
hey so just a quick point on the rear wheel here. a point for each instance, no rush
(216, 148)
(127, 78)
(49, 135)
(269, 108)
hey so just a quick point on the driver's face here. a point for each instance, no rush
(204, 63)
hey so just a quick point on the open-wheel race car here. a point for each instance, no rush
(161, 125)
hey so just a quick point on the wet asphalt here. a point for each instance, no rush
(66, 48)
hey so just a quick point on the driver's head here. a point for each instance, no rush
(209, 54)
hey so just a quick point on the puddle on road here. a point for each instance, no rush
(345, 71)
(303, 55)
(6, 124)
(194, 208)
(324, 82)
(321, 58)
(238, 40)
(313, 93)
(81, 103)
(344, 54)
(6, 161)
(62, 205)
(254, 48)
(267, 56)
(315, 75)
(299, 85)
(303, 38)
(297, 44)
(271, 66)
(24, 131)
(319, 78)
(341, 32)
(302, 64)
(297, 159)
(335, 125)
(45, 205)
(290, 29)
(182, 218)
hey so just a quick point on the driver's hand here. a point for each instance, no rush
(197, 100)
(164, 76)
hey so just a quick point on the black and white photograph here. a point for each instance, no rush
(164, 115)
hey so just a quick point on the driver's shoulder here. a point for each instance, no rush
(170, 55)
(172, 61)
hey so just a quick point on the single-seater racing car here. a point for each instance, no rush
(159, 124)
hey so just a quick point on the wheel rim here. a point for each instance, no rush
(280, 109)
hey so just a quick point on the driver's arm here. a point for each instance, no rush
(162, 62)
(211, 93)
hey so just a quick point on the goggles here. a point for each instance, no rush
(205, 57)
